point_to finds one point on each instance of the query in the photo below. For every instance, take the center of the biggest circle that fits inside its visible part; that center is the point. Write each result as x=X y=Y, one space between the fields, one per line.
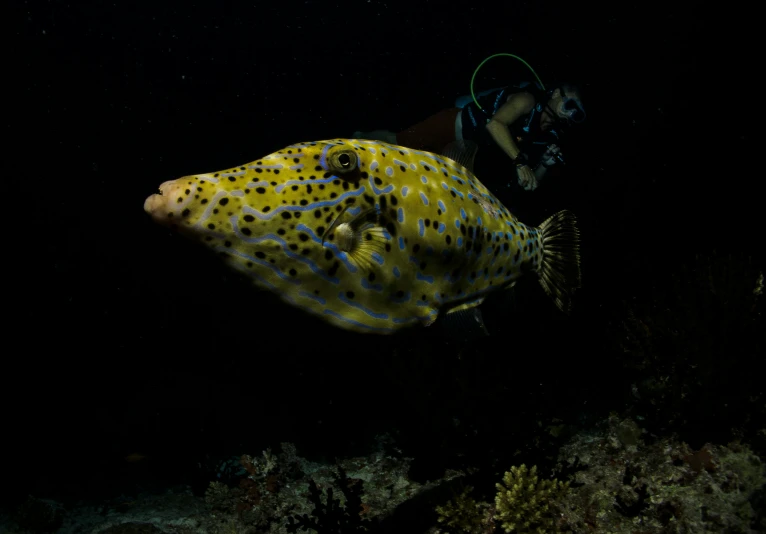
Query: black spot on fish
x=232 y=179
x=328 y=255
x=333 y=269
x=249 y=218
x=249 y=264
x=428 y=223
x=369 y=200
x=350 y=294
x=223 y=201
x=281 y=231
x=309 y=189
x=391 y=227
x=394 y=200
x=453 y=194
x=211 y=226
x=378 y=181
x=435 y=224
x=185 y=213
x=383 y=203
x=276 y=171
x=293 y=247
x=266 y=209
x=388 y=247
x=297 y=214
x=246 y=231
x=320 y=230
x=505 y=247
x=203 y=201
x=180 y=199
x=350 y=200
x=371 y=277
x=303 y=237
x=423 y=265
x=333 y=194
x=260 y=190
x=304 y=202
x=516 y=256
x=258 y=170
x=416 y=248
x=402 y=168
x=187 y=191
x=368 y=236
x=448 y=239
x=462 y=229
x=215 y=211
x=399 y=294
x=286 y=215
x=305 y=251
x=318 y=214
x=294 y=188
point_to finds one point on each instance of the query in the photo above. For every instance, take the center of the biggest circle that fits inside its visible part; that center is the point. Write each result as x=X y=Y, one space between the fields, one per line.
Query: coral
x=524 y=503
x=664 y=487
x=330 y=517
x=39 y=515
x=464 y=514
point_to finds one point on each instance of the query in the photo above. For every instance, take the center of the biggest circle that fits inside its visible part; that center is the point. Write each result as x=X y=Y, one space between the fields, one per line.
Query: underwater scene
x=382 y=267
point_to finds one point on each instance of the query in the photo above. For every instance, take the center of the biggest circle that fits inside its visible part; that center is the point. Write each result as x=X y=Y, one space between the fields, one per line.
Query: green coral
x=523 y=502
x=463 y=513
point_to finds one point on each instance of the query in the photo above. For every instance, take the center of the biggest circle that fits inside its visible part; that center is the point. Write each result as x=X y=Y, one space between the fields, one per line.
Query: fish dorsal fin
x=462 y=152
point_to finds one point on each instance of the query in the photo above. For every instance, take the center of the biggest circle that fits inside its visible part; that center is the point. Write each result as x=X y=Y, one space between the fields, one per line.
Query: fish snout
x=164 y=205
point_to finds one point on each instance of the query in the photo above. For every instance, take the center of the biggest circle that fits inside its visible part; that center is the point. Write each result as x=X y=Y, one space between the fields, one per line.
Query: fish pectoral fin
x=462 y=152
x=370 y=246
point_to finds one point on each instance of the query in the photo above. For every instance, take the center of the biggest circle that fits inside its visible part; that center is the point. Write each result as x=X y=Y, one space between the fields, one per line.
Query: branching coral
x=524 y=502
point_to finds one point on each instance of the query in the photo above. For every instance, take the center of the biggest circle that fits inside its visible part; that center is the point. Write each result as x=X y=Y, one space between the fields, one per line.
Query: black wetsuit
x=526 y=132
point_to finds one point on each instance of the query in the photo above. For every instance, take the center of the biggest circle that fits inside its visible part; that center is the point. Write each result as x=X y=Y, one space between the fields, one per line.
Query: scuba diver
x=521 y=122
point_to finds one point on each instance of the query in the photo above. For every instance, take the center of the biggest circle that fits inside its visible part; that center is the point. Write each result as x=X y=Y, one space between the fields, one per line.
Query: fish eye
x=343 y=161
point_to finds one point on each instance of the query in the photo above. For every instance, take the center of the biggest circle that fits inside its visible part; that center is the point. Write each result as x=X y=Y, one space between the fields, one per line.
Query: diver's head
x=566 y=104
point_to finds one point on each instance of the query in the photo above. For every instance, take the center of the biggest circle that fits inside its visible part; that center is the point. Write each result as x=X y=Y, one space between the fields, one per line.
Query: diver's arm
x=515 y=107
x=540 y=171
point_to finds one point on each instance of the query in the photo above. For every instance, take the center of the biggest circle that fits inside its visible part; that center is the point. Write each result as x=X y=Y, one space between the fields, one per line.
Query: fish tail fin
x=560 y=267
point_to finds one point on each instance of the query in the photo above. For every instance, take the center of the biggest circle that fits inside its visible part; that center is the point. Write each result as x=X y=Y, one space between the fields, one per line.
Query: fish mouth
x=160 y=205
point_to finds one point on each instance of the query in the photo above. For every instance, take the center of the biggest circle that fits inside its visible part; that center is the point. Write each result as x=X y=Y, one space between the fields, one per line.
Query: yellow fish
x=369 y=236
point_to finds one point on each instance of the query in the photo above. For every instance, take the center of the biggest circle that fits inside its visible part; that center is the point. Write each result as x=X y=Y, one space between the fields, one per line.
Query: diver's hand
x=527 y=178
x=549 y=157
